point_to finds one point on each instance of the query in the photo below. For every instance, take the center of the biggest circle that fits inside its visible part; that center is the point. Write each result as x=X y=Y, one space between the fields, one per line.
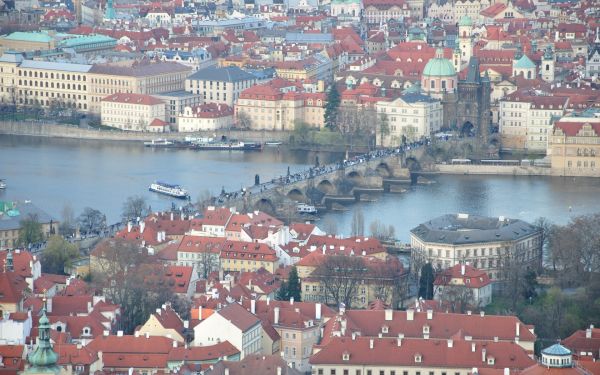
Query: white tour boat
x=304 y=208
x=172 y=190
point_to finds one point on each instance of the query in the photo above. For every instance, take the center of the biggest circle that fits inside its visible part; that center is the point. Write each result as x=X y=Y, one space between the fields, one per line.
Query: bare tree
x=68 y=222
x=243 y=120
x=204 y=200
x=458 y=298
x=358 y=222
x=91 y=221
x=135 y=207
x=381 y=231
x=340 y=277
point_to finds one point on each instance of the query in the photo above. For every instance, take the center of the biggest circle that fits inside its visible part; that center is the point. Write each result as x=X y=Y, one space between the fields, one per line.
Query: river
x=55 y=172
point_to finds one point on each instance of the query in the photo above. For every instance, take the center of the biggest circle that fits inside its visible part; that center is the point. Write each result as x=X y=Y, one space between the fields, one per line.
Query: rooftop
x=224 y=74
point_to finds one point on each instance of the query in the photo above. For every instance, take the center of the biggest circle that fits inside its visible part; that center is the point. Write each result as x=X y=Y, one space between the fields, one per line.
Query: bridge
x=341 y=183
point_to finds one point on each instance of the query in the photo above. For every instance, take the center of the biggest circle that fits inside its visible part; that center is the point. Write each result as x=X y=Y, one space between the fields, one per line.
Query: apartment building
x=574 y=145
x=134 y=112
x=411 y=116
x=381 y=11
x=316 y=66
x=134 y=77
x=238 y=256
x=175 y=102
x=526 y=119
x=463 y=276
x=279 y=105
x=44 y=84
x=483 y=242
x=220 y=84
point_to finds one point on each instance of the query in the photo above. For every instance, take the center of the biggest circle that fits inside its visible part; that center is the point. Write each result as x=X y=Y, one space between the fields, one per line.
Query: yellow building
x=574 y=147
x=134 y=77
x=238 y=256
x=42 y=83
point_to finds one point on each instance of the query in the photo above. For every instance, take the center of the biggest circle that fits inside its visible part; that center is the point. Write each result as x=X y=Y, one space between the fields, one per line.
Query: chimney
x=253 y=306
x=518 y=329
x=429 y=314
x=79 y=346
x=226 y=371
x=136 y=333
x=186 y=324
x=147 y=335
x=291 y=300
x=129 y=226
x=268 y=301
x=399 y=341
x=353 y=336
x=171 y=215
x=389 y=314
x=105 y=333
x=317 y=311
x=483 y=353
x=279 y=372
x=182 y=216
x=506 y=371
x=158 y=237
x=89 y=306
x=174 y=343
x=371 y=342
x=142 y=226
x=119 y=333
x=410 y=314
x=276 y=315
x=462 y=269
x=473 y=347
x=158 y=311
x=482 y=313
x=200 y=313
x=469 y=312
x=450 y=343
x=49 y=305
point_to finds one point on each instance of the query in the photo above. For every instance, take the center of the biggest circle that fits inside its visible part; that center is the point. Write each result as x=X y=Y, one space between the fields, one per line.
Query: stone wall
x=493 y=170
x=40 y=129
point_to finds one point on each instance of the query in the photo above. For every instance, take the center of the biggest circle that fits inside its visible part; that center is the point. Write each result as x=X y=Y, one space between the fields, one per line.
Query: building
x=134 y=112
x=315 y=67
x=15 y=327
x=592 y=63
x=253 y=364
x=208 y=116
x=439 y=76
x=381 y=11
x=220 y=84
x=584 y=343
x=232 y=323
x=409 y=117
x=175 y=103
x=279 y=105
x=44 y=84
x=483 y=242
x=347 y=11
x=463 y=284
x=238 y=256
x=165 y=322
x=12 y=213
x=134 y=77
x=197 y=58
x=526 y=120
x=574 y=145
x=343 y=355
x=27 y=41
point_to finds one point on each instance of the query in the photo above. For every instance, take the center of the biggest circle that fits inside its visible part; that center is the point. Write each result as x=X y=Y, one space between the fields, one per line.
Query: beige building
x=134 y=77
x=526 y=120
x=574 y=146
x=238 y=256
x=380 y=12
x=220 y=84
x=27 y=41
x=10 y=223
x=133 y=112
x=44 y=84
x=483 y=242
x=209 y=116
x=412 y=116
x=280 y=105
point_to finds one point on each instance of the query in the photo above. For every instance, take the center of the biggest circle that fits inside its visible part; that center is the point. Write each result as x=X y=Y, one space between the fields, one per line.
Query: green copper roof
x=43 y=358
x=439 y=67
x=29 y=37
x=556 y=349
x=85 y=39
x=524 y=63
x=465 y=21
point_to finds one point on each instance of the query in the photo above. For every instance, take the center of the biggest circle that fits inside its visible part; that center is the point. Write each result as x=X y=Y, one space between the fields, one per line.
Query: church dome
x=439 y=66
x=465 y=21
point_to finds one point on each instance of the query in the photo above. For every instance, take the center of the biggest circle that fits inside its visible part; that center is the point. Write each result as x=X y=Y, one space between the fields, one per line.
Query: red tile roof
x=239 y=316
x=579 y=342
x=12 y=286
x=248 y=250
x=67 y=305
x=433 y=353
x=128 y=98
x=471 y=278
x=22 y=261
x=572 y=128
x=205 y=353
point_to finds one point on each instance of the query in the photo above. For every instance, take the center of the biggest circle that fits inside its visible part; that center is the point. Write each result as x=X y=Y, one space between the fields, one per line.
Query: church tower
x=43 y=359
x=456 y=56
x=548 y=65
x=465 y=29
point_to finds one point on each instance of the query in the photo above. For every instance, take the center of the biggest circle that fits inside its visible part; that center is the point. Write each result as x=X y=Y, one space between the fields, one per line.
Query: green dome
x=465 y=21
x=439 y=67
x=524 y=63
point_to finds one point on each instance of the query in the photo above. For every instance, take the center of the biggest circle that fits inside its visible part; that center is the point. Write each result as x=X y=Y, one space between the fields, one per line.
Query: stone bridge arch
x=355 y=177
x=412 y=163
x=326 y=186
x=296 y=195
x=383 y=169
x=266 y=205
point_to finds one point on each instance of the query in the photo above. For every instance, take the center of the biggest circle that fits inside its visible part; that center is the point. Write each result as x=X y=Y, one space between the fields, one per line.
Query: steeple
x=43 y=359
x=548 y=54
x=519 y=51
x=9 y=262
x=109 y=12
x=597 y=40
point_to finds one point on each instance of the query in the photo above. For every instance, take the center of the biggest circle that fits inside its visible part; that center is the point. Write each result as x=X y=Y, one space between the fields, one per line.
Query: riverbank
x=500 y=170
x=41 y=129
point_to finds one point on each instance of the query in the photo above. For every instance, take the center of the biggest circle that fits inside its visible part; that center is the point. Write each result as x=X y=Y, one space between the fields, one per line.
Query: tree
x=458 y=297
x=204 y=200
x=208 y=261
x=332 y=107
x=330 y=226
x=243 y=120
x=358 y=222
x=381 y=232
x=134 y=207
x=91 y=221
x=68 y=222
x=426 y=281
x=293 y=285
x=340 y=277
x=30 y=231
x=301 y=134
x=139 y=288
x=58 y=254
x=384 y=128
x=545 y=226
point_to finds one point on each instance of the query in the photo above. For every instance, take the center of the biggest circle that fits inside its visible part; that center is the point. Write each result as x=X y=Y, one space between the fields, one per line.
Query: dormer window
x=345 y=356
x=385 y=329
x=418 y=358
x=491 y=360
x=426 y=329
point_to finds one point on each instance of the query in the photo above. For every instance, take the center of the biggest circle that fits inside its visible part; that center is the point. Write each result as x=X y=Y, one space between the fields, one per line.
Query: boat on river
x=273 y=143
x=304 y=208
x=227 y=146
x=171 y=190
x=2 y=184
x=159 y=143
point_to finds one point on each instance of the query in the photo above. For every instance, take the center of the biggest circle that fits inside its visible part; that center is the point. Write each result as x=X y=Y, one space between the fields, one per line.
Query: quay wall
x=509 y=170
x=41 y=129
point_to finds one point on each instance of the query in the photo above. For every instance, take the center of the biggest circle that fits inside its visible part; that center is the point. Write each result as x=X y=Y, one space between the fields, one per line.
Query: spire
x=43 y=359
x=519 y=51
x=597 y=41
x=9 y=262
x=109 y=13
x=439 y=53
x=548 y=54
